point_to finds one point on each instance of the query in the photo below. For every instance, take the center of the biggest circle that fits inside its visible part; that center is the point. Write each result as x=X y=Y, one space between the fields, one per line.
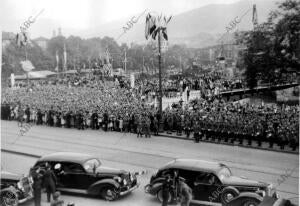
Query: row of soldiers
x=217 y=131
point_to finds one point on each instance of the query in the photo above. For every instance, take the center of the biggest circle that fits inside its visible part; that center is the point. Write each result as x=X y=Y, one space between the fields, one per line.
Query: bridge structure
x=247 y=92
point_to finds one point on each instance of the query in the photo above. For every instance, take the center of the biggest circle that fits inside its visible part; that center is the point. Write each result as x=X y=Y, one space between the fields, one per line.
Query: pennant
x=164 y=32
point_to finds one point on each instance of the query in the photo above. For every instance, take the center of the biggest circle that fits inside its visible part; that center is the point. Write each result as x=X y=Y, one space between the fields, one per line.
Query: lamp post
x=159 y=72
x=158 y=26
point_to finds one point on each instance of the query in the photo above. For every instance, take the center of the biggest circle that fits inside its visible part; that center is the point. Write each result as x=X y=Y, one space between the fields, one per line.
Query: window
x=72 y=168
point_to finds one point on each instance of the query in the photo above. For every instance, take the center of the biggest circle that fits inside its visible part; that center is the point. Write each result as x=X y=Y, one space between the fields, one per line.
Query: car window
x=188 y=175
x=164 y=172
x=72 y=168
x=89 y=165
x=201 y=178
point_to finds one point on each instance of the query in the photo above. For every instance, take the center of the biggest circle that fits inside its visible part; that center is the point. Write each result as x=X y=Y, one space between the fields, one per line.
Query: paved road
x=126 y=151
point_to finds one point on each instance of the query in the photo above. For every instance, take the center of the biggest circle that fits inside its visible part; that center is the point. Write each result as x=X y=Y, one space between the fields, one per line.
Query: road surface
x=135 y=154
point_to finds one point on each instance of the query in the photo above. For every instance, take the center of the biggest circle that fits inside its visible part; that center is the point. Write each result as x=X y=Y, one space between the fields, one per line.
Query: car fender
x=237 y=201
x=154 y=187
x=96 y=187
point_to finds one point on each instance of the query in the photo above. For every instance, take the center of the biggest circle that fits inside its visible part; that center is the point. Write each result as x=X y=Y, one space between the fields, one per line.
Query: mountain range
x=196 y=28
x=200 y=27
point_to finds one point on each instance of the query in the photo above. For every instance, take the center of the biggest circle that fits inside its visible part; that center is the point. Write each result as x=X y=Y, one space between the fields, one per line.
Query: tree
x=273 y=47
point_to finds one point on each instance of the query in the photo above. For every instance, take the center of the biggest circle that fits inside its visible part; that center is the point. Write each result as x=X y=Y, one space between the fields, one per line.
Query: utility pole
x=159 y=74
x=180 y=64
x=125 y=60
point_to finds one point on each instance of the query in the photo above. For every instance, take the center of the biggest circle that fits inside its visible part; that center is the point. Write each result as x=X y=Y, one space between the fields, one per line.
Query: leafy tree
x=273 y=48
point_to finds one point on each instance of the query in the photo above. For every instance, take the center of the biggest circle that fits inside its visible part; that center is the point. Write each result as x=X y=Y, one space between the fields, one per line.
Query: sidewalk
x=264 y=146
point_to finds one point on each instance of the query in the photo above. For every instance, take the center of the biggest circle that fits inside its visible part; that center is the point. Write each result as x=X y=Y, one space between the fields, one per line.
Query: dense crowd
x=109 y=106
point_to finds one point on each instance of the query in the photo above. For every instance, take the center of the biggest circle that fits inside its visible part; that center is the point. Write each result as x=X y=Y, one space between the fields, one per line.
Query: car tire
x=160 y=198
x=251 y=202
x=8 y=197
x=109 y=193
x=228 y=194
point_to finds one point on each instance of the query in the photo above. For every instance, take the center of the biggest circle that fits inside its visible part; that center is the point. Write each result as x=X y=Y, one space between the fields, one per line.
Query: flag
x=150 y=25
x=22 y=39
x=65 y=58
x=57 y=61
x=254 y=15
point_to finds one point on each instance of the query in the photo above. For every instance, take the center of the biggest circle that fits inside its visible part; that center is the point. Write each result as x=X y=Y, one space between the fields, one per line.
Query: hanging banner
x=132 y=80
x=164 y=45
x=12 y=79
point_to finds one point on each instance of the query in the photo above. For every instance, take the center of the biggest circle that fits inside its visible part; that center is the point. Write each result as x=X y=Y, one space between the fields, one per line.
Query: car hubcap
x=229 y=196
x=110 y=194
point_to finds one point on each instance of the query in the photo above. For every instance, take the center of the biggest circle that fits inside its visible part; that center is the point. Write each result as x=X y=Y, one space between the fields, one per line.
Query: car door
x=70 y=175
x=79 y=177
x=207 y=187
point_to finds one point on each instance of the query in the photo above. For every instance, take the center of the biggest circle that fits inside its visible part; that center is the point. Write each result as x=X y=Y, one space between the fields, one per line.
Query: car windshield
x=89 y=165
x=224 y=173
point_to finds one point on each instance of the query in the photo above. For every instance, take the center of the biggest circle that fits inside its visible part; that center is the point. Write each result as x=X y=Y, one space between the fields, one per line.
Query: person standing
x=186 y=193
x=49 y=182
x=37 y=185
x=166 y=190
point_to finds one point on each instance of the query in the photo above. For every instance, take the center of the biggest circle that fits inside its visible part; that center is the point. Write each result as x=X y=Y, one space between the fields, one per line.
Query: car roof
x=195 y=165
x=67 y=157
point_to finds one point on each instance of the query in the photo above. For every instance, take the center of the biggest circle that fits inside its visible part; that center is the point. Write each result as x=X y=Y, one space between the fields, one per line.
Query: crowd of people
x=110 y=106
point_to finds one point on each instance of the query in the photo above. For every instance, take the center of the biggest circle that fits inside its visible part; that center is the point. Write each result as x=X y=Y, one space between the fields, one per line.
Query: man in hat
x=166 y=189
x=49 y=182
x=36 y=175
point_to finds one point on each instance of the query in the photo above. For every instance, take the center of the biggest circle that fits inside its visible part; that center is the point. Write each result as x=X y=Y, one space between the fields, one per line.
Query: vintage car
x=83 y=173
x=15 y=189
x=211 y=182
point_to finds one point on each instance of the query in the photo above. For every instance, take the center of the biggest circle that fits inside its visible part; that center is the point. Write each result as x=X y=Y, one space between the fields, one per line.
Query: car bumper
x=130 y=190
x=149 y=189
x=25 y=199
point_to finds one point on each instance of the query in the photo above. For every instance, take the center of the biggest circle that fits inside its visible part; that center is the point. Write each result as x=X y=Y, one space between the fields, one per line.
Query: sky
x=84 y=14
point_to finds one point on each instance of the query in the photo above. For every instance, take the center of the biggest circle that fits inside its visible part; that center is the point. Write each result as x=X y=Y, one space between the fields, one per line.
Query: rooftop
x=194 y=164
x=67 y=157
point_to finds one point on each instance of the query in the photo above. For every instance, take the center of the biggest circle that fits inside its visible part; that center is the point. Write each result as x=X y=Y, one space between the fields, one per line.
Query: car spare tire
x=228 y=194
x=8 y=197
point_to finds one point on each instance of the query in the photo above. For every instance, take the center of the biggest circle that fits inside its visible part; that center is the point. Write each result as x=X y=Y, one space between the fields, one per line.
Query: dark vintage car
x=15 y=189
x=212 y=183
x=82 y=173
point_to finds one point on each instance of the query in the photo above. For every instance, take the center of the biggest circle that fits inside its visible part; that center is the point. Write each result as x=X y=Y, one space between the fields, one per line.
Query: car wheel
x=251 y=202
x=160 y=196
x=8 y=198
x=228 y=194
x=109 y=193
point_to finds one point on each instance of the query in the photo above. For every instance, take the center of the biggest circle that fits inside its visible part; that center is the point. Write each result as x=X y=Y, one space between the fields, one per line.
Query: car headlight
x=132 y=177
x=118 y=179
x=20 y=187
